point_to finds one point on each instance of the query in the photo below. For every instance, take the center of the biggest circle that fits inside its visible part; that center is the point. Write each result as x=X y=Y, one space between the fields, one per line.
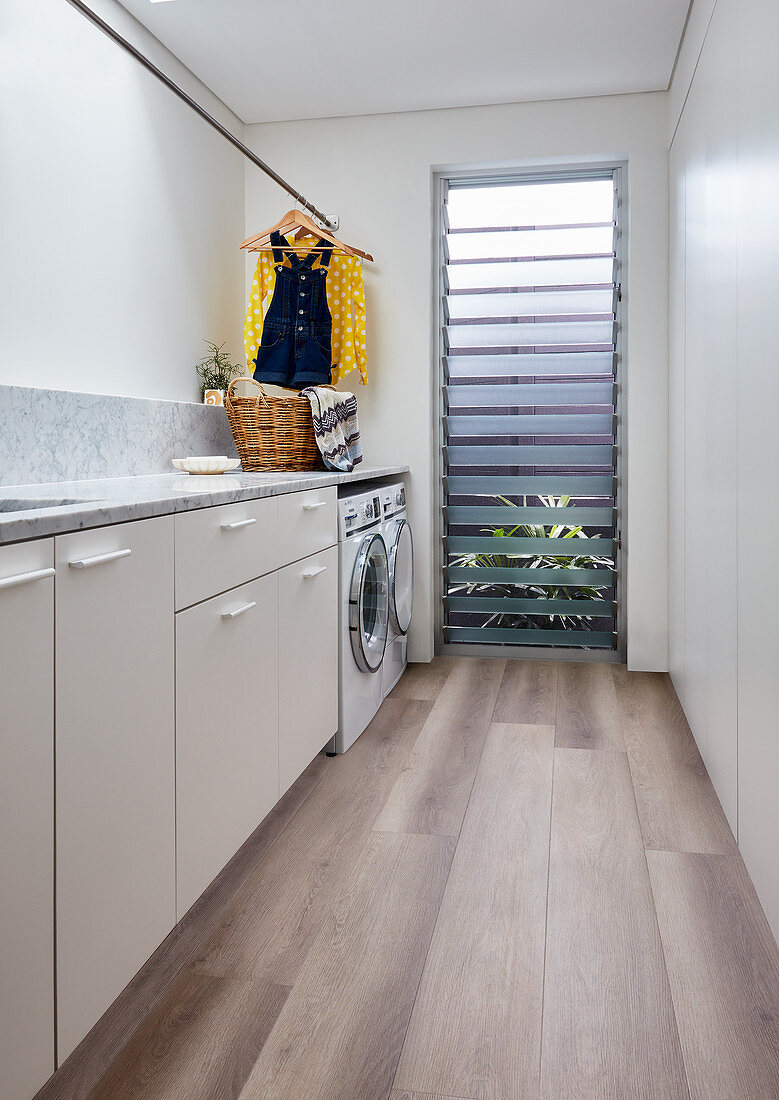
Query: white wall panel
x=715 y=89
x=676 y=428
x=696 y=538
x=724 y=392
x=758 y=448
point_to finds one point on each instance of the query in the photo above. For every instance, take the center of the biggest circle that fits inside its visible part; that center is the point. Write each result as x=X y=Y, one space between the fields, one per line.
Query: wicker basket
x=272 y=433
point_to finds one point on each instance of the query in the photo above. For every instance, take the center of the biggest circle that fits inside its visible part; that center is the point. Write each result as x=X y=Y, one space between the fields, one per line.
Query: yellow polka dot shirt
x=345 y=300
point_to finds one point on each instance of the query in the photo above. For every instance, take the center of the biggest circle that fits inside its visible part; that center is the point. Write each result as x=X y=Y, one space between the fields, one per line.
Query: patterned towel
x=335 y=426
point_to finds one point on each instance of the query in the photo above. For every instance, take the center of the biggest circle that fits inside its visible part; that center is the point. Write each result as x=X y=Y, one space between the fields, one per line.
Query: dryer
x=363 y=612
x=400 y=557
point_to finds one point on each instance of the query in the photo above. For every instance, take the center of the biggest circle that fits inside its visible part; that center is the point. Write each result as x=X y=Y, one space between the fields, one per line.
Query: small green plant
x=584 y=560
x=215 y=370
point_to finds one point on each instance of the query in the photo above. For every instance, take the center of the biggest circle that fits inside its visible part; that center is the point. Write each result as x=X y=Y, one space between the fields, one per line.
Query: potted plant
x=215 y=371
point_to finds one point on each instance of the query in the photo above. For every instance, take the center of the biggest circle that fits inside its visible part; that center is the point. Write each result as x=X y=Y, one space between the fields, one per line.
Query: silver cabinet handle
x=314 y=572
x=25 y=578
x=239 y=610
x=313 y=505
x=99 y=559
x=238 y=524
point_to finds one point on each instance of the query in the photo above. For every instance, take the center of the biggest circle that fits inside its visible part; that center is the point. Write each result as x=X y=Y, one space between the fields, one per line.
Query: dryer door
x=401 y=576
x=369 y=604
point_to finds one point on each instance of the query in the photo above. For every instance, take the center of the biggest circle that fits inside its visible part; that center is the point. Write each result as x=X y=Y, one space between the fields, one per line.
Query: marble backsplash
x=56 y=435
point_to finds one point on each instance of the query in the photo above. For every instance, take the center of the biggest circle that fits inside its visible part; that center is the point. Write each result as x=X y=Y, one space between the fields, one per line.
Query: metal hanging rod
x=114 y=35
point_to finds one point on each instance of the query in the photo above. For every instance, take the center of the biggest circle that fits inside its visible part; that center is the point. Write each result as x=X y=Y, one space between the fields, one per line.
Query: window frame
x=575 y=168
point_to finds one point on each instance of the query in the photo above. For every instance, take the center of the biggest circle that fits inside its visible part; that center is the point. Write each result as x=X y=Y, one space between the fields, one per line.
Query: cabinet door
x=26 y=817
x=308 y=661
x=226 y=729
x=115 y=745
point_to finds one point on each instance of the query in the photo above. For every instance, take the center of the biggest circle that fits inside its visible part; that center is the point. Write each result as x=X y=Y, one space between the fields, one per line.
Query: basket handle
x=245 y=379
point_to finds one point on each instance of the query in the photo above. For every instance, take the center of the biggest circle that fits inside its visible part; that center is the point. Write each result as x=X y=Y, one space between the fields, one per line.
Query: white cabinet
x=115 y=785
x=26 y=817
x=226 y=729
x=174 y=735
x=308 y=661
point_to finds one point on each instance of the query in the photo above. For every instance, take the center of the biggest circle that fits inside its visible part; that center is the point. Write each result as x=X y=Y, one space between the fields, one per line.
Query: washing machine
x=363 y=612
x=400 y=557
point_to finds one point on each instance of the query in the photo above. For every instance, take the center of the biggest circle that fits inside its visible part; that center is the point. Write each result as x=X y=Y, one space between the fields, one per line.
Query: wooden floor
x=518 y=883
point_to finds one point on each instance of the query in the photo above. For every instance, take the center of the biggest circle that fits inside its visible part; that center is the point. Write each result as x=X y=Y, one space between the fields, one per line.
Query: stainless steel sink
x=25 y=504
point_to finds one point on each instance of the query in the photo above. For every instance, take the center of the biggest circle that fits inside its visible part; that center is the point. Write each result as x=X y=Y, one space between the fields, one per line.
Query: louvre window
x=530 y=293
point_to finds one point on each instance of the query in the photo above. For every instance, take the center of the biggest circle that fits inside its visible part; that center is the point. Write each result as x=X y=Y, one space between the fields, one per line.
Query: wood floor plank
x=271 y=923
x=587 y=712
x=340 y=1031
x=528 y=693
x=476 y=1026
x=395 y=1095
x=431 y=793
x=201 y=1040
x=677 y=805
x=723 y=966
x=608 y=1027
x=424 y=681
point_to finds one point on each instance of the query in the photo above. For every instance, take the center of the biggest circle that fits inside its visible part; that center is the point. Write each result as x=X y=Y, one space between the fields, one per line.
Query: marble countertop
x=119 y=499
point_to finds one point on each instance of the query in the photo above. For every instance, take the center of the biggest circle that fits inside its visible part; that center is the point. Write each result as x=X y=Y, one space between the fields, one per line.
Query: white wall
x=724 y=446
x=121 y=212
x=375 y=172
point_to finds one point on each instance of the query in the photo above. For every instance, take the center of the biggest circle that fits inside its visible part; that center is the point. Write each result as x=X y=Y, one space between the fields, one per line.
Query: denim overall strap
x=278 y=243
x=323 y=256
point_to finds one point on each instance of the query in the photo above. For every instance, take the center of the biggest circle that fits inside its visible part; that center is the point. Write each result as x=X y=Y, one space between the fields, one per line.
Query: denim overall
x=295 y=346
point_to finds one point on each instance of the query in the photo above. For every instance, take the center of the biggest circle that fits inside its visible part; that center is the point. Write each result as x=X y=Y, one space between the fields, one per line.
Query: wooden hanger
x=294 y=242
x=303 y=224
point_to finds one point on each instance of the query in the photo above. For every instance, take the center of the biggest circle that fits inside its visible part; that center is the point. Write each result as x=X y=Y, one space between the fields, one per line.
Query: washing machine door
x=401 y=576
x=369 y=604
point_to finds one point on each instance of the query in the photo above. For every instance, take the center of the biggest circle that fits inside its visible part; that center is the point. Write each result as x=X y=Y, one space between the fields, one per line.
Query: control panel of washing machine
x=393 y=500
x=362 y=511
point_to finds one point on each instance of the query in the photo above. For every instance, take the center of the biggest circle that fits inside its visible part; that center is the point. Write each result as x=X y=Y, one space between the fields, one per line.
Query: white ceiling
x=273 y=60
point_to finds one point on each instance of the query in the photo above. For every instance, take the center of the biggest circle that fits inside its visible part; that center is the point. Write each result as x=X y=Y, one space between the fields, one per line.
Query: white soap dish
x=215 y=464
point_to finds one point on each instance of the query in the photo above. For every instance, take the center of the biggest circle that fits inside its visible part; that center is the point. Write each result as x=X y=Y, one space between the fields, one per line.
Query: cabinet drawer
x=308 y=661
x=220 y=548
x=308 y=522
x=226 y=729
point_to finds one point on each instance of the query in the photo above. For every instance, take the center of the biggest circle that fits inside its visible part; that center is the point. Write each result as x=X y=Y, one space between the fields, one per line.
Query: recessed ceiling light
x=160 y=1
